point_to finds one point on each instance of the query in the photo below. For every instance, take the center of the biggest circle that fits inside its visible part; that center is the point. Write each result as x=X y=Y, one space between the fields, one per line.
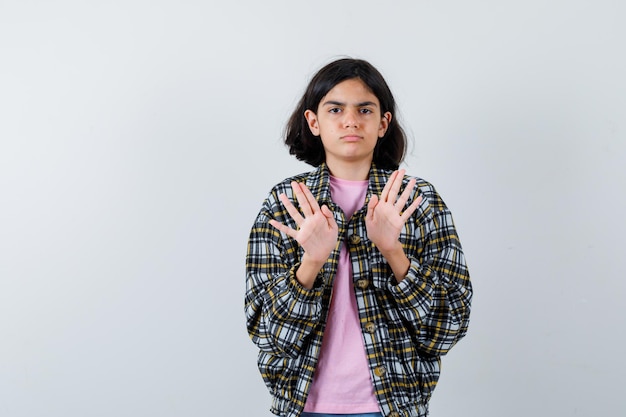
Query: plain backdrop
x=139 y=138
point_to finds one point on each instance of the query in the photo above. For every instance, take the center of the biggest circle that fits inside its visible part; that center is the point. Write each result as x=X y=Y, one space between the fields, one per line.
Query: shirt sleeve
x=280 y=312
x=435 y=296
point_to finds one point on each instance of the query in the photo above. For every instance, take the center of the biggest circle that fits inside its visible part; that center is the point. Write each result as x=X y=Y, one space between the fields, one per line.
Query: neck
x=356 y=171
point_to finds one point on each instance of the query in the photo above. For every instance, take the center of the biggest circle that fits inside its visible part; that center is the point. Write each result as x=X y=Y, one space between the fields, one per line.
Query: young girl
x=356 y=282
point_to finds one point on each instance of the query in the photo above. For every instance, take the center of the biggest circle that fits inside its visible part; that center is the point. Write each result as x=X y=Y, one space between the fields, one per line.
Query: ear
x=311 y=119
x=384 y=124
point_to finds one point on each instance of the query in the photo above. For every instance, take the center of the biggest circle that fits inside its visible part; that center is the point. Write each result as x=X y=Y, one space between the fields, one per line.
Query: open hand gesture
x=385 y=218
x=317 y=230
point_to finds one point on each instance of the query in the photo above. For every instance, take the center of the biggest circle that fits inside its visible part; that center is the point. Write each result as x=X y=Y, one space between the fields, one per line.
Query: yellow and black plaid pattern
x=407 y=326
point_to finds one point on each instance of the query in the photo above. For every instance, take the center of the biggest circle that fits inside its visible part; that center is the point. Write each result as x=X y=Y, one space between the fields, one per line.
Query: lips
x=351 y=138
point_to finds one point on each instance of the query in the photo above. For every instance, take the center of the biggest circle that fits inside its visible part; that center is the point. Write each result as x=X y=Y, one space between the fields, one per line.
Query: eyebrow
x=339 y=103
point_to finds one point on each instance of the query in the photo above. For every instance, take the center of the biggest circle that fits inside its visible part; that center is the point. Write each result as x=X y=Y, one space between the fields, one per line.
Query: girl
x=356 y=282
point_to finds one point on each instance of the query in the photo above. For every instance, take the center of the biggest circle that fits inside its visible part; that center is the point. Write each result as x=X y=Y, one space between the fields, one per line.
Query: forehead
x=351 y=91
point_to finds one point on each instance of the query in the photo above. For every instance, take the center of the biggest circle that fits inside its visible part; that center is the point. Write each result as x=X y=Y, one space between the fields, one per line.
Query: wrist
x=397 y=260
x=308 y=271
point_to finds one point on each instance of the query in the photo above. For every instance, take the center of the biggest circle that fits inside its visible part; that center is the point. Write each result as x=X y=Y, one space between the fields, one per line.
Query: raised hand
x=317 y=231
x=385 y=219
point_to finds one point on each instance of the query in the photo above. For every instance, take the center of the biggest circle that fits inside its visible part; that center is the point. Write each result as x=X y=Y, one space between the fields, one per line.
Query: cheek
x=327 y=128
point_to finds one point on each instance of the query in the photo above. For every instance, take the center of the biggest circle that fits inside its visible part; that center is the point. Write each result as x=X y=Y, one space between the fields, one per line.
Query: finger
x=411 y=209
x=384 y=195
x=371 y=206
x=395 y=187
x=404 y=197
x=330 y=218
x=310 y=198
x=291 y=209
x=303 y=202
x=282 y=228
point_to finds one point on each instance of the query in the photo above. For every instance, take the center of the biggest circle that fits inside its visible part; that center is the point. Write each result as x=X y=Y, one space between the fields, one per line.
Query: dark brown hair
x=389 y=150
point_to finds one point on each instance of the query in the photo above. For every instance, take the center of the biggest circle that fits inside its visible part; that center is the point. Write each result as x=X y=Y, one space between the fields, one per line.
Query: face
x=349 y=123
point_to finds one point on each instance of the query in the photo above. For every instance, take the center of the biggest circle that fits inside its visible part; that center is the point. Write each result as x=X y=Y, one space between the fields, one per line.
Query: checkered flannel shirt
x=407 y=326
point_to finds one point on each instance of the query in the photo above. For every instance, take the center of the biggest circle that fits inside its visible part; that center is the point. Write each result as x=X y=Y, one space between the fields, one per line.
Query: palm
x=317 y=230
x=385 y=218
x=384 y=226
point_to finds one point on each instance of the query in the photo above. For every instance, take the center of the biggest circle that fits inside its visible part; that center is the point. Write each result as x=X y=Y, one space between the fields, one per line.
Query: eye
x=334 y=110
x=365 y=111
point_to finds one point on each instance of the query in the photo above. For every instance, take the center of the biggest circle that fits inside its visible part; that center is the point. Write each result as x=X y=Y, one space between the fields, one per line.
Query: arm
x=435 y=296
x=280 y=310
x=316 y=232
x=430 y=281
x=386 y=216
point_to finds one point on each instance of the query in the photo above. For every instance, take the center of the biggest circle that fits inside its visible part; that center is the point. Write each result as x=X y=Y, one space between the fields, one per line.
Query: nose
x=350 y=119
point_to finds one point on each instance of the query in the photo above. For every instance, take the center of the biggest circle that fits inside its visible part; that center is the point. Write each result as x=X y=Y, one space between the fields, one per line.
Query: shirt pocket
x=276 y=372
x=406 y=366
x=416 y=375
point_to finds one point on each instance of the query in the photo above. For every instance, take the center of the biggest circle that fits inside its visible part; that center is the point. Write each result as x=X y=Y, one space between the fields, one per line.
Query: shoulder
x=430 y=195
x=284 y=187
x=272 y=206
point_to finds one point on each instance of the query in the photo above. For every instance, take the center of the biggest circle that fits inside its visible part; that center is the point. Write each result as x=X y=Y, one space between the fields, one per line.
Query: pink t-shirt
x=342 y=381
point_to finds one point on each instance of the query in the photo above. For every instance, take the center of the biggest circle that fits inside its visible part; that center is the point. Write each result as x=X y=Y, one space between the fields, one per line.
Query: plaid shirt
x=406 y=326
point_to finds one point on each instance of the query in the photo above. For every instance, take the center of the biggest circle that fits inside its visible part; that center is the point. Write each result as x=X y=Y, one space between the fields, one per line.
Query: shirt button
x=362 y=284
x=380 y=371
x=354 y=239
x=370 y=327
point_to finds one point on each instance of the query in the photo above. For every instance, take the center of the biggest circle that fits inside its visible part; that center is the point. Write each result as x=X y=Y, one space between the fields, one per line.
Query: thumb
x=326 y=211
x=330 y=219
x=371 y=206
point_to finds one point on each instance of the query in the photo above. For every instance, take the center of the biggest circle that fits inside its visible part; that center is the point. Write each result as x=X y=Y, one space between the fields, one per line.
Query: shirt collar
x=319 y=183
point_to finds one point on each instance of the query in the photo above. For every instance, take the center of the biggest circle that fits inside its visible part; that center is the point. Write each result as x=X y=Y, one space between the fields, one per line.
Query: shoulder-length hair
x=390 y=149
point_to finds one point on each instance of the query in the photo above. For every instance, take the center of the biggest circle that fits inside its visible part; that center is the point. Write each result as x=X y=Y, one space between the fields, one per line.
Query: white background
x=139 y=138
